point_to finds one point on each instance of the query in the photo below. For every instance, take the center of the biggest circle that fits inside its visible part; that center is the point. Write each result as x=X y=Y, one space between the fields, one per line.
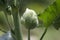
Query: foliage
x=56 y=22
x=51 y=14
x=3 y=22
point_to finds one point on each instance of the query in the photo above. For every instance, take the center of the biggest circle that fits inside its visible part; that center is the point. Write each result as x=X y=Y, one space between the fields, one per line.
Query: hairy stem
x=17 y=28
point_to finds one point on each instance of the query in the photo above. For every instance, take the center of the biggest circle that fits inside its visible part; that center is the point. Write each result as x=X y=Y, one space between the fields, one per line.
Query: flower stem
x=28 y=34
x=43 y=34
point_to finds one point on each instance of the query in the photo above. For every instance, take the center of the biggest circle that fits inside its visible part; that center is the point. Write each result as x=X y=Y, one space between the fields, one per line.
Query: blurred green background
x=52 y=33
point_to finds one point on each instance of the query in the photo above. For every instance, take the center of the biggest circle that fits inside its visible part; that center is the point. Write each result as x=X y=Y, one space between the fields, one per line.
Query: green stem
x=28 y=34
x=43 y=34
x=17 y=28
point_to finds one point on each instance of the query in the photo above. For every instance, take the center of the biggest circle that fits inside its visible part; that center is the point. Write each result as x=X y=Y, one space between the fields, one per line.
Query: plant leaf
x=49 y=15
x=56 y=23
x=3 y=22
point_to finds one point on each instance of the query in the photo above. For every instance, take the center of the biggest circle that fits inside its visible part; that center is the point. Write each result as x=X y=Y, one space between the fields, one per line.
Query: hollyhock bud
x=29 y=19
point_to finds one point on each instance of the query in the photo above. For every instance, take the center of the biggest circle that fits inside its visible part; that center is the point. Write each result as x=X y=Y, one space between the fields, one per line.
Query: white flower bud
x=29 y=19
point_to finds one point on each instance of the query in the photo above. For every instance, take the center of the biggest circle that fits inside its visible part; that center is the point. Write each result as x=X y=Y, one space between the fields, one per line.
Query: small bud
x=9 y=10
x=29 y=19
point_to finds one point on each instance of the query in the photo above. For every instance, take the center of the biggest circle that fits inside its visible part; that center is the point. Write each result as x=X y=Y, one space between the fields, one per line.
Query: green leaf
x=3 y=22
x=49 y=15
x=58 y=5
x=56 y=23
